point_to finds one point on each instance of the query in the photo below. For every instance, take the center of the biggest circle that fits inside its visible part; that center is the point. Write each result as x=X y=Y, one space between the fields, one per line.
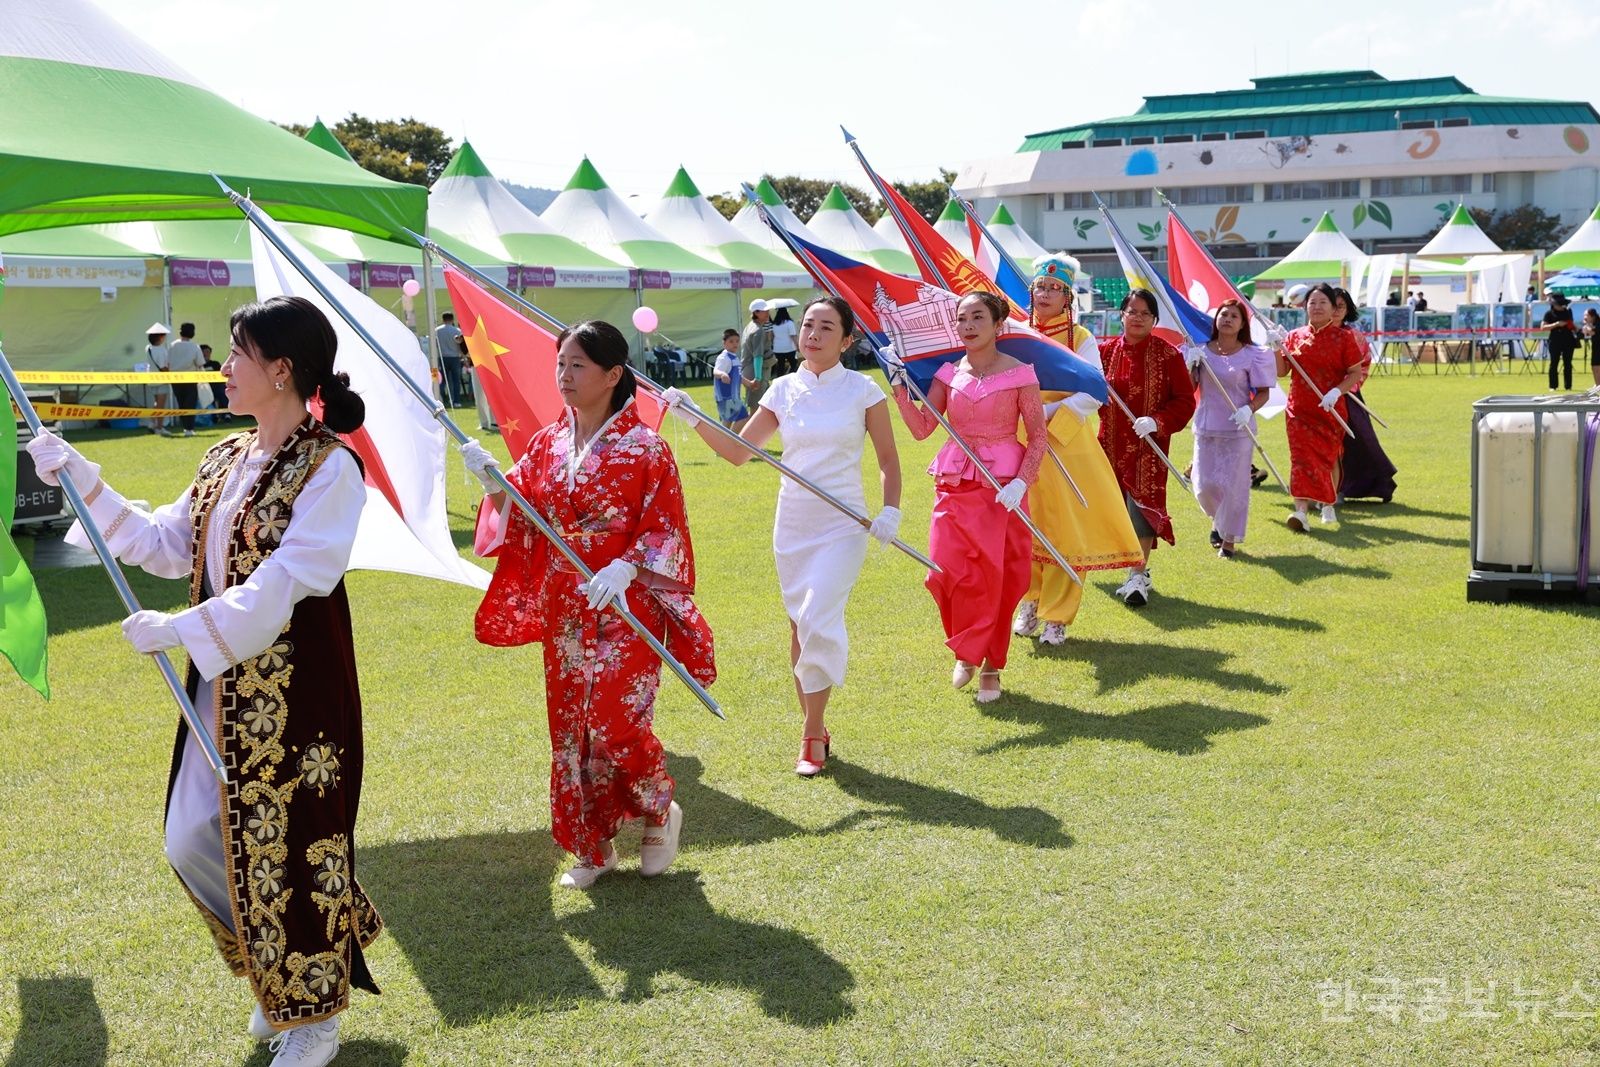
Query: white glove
x=150 y=631
x=1276 y=334
x=1330 y=398
x=608 y=583
x=1144 y=426
x=1082 y=405
x=1010 y=495
x=1241 y=415
x=679 y=406
x=478 y=460
x=894 y=366
x=886 y=527
x=1051 y=408
x=51 y=455
x=1192 y=356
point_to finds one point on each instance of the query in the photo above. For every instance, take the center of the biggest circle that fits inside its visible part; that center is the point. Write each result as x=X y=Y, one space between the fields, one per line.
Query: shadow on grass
x=1118 y=664
x=897 y=798
x=1369 y=534
x=1182 y=729
x=667 y=926
x=1375 y=509
x=1298 y=570
x=718 y=819
x=1175 y=613
x=473 y=916
x=61 y=1024
x=360 y=1053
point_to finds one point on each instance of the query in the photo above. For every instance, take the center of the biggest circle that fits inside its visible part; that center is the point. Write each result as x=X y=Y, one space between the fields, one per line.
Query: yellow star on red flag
x=484 y=351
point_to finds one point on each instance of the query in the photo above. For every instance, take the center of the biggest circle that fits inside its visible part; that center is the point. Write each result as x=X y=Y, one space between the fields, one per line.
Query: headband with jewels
x=1057 y=268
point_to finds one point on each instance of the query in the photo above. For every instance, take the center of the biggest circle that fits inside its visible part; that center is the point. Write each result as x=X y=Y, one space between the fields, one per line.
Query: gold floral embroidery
x=330 y=859
x=319 y=766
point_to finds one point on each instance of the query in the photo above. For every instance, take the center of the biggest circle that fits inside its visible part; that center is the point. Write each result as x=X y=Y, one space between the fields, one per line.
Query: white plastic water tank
x=1504 y=505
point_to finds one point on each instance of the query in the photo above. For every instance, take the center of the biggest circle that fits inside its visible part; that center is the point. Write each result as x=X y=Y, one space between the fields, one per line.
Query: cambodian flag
x=1179 y=323
x=920 y=320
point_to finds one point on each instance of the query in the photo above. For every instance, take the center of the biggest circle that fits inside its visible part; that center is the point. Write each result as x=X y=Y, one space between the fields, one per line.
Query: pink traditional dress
x=1316 y=440
x=618 y=497
x=984 y=552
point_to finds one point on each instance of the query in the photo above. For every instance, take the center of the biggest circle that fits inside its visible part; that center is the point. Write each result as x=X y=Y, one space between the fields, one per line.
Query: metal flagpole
x=492 y=477
x=1246 y=428
x=795 y=250
x=655 y=387
x=108 y=562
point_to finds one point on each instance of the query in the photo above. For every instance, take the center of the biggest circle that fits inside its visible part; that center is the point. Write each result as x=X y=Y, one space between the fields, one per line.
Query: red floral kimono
x=618 y=498
x=1153 y=379
x=1316 y=440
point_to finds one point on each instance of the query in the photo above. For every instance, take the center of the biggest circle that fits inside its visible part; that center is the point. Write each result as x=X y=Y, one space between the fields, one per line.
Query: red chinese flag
x=516 y=362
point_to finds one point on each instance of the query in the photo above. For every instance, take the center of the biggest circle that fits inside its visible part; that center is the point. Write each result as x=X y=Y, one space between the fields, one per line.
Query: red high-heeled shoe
x=805 y=766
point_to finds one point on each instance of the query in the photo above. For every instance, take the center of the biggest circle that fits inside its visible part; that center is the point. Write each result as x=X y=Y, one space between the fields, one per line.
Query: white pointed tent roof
x=749 y=223
x=1325 y=254
x=1459 y=237
x=686 y=217
x=1013 y=238
x=839 y=226
x=469 y=207
x=885 y=227
x=1582 y=249
x=952 y=226
x=591 y=213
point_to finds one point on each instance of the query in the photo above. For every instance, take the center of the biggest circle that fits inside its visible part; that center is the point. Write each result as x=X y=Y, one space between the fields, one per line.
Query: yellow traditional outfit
x=1098 y=536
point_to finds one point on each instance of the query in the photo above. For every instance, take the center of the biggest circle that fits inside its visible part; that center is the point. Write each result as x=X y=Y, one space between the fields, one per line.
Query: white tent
x=688 y=219
x=1324 y=255
x=1013 y=238
x=885 y=227
x=1459 y=237
x=1582 y=249
x=1461 y=247
x=749 y=223
x=840 y=227
x=952 y=226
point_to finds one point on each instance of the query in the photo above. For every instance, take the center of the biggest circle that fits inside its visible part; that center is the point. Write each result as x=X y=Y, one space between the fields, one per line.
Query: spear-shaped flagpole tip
x=849 y=138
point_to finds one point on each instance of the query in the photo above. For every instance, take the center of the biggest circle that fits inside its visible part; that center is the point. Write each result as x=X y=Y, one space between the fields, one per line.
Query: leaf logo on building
x=1150 y=233
x=1221 y=231
x=1083 y=226
x=1376 y=210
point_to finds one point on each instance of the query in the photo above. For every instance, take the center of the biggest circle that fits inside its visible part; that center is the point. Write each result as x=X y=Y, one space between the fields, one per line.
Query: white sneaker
x=1137 y=590
x=1300 y=522
x=1027 y=621
x=1055 y=633
x=1329 y=516
x=188 y=433
x=660 y=844
x=311 y=1045
x=260 y=1029
x=584 y=875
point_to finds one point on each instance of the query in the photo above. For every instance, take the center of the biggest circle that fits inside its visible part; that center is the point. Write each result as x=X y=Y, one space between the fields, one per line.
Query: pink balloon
x=645 y=320
x=411 y=287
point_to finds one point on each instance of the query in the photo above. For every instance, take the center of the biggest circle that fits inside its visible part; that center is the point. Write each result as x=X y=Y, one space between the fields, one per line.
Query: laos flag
x=919 y=319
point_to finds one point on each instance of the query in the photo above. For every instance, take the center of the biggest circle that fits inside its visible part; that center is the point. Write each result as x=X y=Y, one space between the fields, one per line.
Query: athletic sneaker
x=1216 y=538
x=1137 y=590
x=1300 y=522
x=1026 y=623
x=188 y=433
x=1329 y=516
x=311 y=1045
x=1055 y=633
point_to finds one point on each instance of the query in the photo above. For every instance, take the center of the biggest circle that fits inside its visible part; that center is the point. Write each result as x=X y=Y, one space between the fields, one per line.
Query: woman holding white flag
x=825 y=413
x=264 y=535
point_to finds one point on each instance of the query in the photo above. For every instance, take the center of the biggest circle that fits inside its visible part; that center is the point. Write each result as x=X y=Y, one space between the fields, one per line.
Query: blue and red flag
x=1179 y=322
x=920 y=320
x=993 y=260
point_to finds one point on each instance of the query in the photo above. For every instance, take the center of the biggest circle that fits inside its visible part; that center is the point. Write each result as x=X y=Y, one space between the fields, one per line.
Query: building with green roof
x=1252 y=169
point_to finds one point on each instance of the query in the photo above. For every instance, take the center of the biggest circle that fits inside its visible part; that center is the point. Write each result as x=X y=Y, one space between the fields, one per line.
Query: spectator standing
x=785 y=344
x=185 y=357
x=725 y=383
x=755 y=353
x=155 y=358
x=447 y=342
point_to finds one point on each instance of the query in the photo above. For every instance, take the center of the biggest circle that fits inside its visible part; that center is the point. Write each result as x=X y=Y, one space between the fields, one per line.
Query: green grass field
x=1309 y=807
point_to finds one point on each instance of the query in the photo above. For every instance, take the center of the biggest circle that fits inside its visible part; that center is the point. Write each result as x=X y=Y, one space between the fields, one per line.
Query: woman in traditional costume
x=1093 y=534
x=1153 y=380
x=264 y=534
x=608 y=485
x=825 y=413
x=1367 y=472
x=981 y=545
x=1234 y=377
x=1334 y=359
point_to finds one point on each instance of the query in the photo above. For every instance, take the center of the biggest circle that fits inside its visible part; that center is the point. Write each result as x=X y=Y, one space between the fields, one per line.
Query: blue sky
x=732 y=90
